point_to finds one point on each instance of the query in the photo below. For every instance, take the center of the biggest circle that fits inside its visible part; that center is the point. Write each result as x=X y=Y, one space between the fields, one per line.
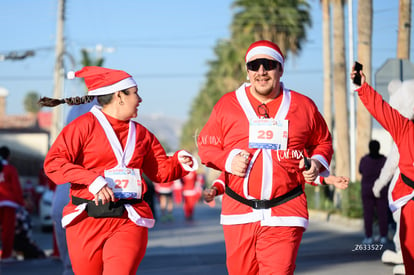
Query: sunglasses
x=268 y=64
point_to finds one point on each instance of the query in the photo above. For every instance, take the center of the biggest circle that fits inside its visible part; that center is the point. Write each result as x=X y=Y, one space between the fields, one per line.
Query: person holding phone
x=401 y=130
x=259 y=135
x=103 y=155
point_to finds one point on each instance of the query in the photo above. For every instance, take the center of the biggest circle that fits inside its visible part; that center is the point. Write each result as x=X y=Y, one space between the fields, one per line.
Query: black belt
x=265 y=204
x=110 y=209
x=407 y=180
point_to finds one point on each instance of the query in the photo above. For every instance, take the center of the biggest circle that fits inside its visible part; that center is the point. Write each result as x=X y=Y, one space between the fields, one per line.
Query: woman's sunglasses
x=268 y=64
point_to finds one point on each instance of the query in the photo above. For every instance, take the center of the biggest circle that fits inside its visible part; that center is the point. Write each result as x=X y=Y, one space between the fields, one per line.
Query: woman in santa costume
x=259 y=135
x=103 y=154
x=401 y=130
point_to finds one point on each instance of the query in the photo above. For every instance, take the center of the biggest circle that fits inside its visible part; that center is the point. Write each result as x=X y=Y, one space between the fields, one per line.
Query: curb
x=357 y=224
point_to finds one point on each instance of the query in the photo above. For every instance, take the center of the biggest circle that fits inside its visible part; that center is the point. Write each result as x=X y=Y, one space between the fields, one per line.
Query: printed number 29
x=265 y=134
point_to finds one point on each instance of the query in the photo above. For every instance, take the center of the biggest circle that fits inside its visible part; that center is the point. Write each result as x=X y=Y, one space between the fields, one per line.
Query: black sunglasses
x=263 y=111
x=268 y=64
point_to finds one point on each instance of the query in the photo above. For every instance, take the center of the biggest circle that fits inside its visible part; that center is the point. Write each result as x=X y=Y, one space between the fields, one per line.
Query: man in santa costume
x=259 y=135
x=102 y=154
x=401 y=130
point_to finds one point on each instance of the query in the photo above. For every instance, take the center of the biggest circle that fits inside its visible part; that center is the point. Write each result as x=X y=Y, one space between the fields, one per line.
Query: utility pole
x=352 y=109
x=57 y=117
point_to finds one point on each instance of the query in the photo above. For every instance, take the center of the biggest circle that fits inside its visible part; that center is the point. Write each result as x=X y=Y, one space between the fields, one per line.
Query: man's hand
x=105 y=194
x=310 y=174
x=209 y=194
x=338 y=182
x=240 y=163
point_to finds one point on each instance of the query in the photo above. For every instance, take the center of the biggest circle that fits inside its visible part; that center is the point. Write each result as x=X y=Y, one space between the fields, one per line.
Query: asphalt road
x=197 y=247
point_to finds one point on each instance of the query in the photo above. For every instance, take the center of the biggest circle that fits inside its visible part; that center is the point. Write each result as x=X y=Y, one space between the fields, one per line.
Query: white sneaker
x=399 y=269
x=367 y=241
x=392 y=257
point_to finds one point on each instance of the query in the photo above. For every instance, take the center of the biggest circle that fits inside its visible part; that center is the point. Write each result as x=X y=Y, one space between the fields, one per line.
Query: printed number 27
x=121 y=183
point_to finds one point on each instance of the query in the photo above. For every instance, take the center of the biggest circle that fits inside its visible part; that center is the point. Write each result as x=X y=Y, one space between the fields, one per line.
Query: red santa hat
x=103 y=81
x=265 y=47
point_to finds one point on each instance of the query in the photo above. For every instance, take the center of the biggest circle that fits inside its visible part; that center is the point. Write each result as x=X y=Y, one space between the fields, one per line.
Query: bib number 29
x=262 y=134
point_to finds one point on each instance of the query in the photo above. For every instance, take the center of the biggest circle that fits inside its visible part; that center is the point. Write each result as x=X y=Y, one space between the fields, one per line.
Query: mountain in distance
x=166 y=128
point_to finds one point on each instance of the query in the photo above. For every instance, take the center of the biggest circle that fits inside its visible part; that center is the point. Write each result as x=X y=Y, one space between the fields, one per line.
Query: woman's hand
x=186 y=160
x=105 y=195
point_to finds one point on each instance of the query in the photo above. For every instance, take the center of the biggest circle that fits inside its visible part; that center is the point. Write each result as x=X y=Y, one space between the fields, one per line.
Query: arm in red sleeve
x=220 y=184
x=65 y=161
x=158 y=166
x=392 y=121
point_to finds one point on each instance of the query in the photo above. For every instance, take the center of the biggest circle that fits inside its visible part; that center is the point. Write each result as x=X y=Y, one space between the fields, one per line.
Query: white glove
x=376 y=189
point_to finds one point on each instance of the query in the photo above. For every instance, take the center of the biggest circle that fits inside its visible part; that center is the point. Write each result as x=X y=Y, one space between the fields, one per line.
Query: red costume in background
x=11 y=197
x=402 y=131
x=191 y=193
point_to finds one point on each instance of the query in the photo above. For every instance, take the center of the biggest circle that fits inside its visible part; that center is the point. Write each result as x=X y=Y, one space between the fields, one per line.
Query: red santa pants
x=255 y=249
x=407 y=236
x=189 y=205
x=106 y=246
x=7 y=223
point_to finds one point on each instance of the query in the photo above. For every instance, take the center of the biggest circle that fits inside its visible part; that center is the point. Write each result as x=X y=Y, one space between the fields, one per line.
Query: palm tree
x=30 y=102
x=364 y=120
x=404 y=30
x=327 y=80
x=340 y=90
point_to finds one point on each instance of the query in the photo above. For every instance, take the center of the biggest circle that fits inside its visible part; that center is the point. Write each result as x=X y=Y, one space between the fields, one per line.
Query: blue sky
x=164 y=44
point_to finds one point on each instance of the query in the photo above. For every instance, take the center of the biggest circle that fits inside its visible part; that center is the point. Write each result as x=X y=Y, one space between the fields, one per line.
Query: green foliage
x=350 y=205
x=319 y=198
x=30 y=102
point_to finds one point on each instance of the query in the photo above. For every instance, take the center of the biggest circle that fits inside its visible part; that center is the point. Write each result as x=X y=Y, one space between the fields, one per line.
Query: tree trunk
x=340 y=91
x=364 y=119
x=327 y=76
x=404 y=30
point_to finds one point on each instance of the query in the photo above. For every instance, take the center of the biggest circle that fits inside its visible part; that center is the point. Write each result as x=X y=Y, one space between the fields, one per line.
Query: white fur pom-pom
x=71 y=75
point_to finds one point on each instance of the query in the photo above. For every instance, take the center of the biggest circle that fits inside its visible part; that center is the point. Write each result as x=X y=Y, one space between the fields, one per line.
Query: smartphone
x=357 y=78
x=307 y=163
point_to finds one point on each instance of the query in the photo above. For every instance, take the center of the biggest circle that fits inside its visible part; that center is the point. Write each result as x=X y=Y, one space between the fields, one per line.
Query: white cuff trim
x=230 y=159
x=184 y=153
x=324 y=163
x=97 y=185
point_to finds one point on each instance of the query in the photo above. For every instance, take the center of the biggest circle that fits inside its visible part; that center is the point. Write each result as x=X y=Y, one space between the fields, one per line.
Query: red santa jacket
x=82 y=152
x=11 y=193
x=401 y=130
x=271 y=173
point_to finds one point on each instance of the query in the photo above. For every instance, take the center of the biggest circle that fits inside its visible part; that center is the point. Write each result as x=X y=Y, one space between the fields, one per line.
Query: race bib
x=268 y=134
x=125 y=182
